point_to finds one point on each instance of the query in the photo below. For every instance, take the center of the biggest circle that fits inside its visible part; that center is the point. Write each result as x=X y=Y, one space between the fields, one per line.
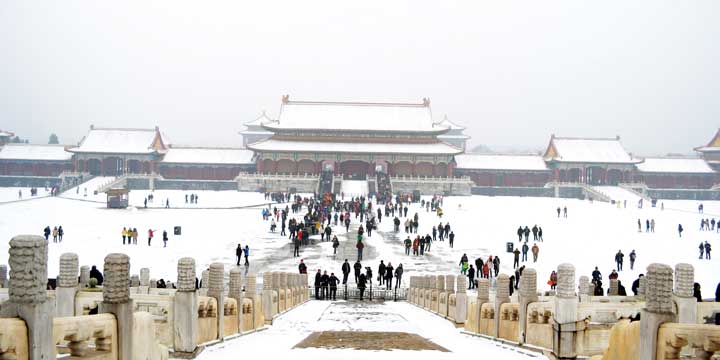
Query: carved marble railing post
x=527 y=295
x=134 y=283
x=278 y=291
x=84 y=276
x=28 y=294
x=442 y=295
x=641 y=288
x=3 y=276
x=153 y=284
x=461 y=300
x=217 y=290
x=235 y=292
x=502 y=296
x=683 y=294
x=565 y=324
x=282 y=291
x=483 y=296
x=267 y=297
x=251 y=294
x=584 y=289
x=144 y=287
x=614 y=287
x=67 y=285
x=658 y=308
x=116 y=300
x=186 y=307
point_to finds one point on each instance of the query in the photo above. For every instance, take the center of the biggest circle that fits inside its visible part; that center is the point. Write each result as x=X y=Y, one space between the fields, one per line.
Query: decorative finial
x=286 y=99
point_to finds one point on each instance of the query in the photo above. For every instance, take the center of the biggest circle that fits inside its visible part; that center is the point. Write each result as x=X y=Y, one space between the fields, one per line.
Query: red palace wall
x=34 y=169
x=499 y=178
x=200 y=172
x=689 y=181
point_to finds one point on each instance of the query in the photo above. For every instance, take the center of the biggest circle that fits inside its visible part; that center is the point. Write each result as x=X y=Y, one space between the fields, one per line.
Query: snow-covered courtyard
x=589 y=237
x=288 y=330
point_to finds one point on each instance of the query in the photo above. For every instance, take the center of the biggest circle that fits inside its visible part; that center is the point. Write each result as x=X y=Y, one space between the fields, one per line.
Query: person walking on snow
x=471 y=277
x=381 y=273
x=525 y=249
x=707 y=250
x=150 y=235
x=451 y=238
x=345 y=271
x=619 y=260
x=540 y=233
x=632 y=259
x=302 y=268
x=388 y=276
x=702 y=250
x=535 y=252
x=246 y=252
x=358 y=270
x=516 y=258
x=680 y=229
x=463 y=264
x=408 y=245
x=398 y=276
x=165 y=238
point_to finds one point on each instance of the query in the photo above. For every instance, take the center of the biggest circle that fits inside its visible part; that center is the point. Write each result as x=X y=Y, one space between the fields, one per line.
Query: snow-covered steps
x=355 y=187
x=618 y=194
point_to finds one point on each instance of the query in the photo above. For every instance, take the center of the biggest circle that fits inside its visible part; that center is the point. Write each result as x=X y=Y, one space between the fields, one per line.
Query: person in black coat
x=318 y=281
x=361 y=285
x=471 y=277
x=621 y=289
x=381 y=272
x=325 y=283
x=358 y=270
x=717 y=299
x=345 y=271
x=512 y=284
x=636 y=285
x=696 y=292
x=95 y=273
x=333 y=286
x=389 y=276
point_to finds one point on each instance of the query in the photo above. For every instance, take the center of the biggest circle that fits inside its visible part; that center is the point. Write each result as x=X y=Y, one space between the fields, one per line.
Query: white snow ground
x=619 y=194
x=354 y=188
x=289 y=329
x=589 y=237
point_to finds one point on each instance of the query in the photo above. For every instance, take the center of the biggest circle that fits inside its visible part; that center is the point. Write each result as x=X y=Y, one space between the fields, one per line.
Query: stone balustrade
x=574 y=323
x=80 y=331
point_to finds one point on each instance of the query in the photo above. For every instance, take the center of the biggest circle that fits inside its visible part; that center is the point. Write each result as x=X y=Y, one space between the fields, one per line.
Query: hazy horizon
x=512 y=72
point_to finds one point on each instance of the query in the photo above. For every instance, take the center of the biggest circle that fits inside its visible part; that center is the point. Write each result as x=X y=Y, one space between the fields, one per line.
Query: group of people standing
x=57 y=233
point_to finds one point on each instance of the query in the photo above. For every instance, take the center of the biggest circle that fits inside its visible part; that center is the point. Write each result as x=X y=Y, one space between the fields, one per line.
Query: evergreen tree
x=53 y=139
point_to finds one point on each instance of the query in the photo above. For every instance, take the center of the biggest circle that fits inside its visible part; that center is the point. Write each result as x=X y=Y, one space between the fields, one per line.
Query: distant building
x=5 y=137
x=255 y=131
x=504 y=169
x=203 y=163
x=34 y=160
x=594 y=161
x=355 y=139
x=454 y=136
x=113 y=152
x=711 y=151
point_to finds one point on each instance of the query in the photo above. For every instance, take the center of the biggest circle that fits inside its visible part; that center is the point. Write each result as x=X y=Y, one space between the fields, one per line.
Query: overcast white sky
x=513 y=72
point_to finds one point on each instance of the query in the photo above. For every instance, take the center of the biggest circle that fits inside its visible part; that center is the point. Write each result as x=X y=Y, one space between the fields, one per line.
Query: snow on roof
x=712 y=146
x=355 y=116
x=500 y=162
x=438 y=148
x=588 y=150
x=675 y=165
x=451 y=125
x=6 y=134
x=202 y=155
x=119 y=141
x=260 y=120
x=34 y=152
